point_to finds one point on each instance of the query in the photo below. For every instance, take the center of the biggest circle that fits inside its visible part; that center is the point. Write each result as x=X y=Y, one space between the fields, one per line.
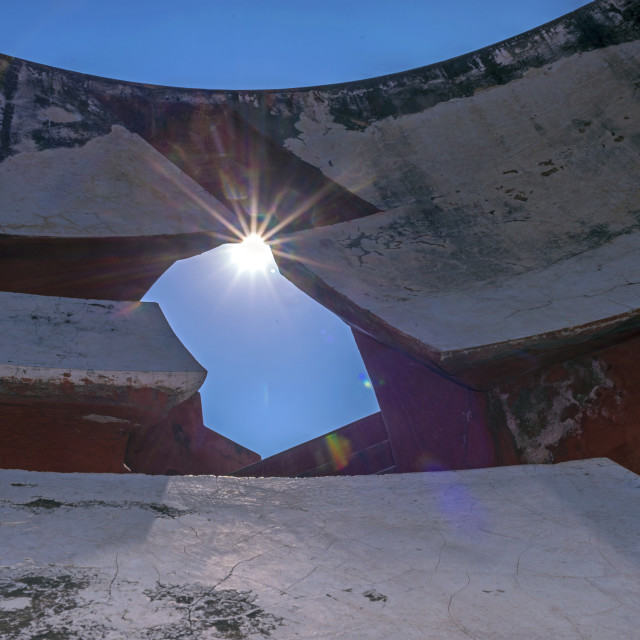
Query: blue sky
x=281 y=368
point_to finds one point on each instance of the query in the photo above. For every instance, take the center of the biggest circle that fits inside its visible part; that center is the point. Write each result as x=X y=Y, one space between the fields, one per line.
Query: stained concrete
x=531 y=552
x=511 y=214
x=79 y=377
x=51 y=343
x=114 y=185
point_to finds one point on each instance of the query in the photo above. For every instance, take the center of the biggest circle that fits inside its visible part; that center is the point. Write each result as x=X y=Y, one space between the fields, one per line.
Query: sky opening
x=282 y=369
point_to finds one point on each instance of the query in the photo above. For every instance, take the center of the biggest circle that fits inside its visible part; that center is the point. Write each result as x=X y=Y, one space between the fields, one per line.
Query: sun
x=252 y=254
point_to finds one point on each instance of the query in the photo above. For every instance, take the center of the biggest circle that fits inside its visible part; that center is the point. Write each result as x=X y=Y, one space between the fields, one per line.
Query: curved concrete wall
x=509 y=213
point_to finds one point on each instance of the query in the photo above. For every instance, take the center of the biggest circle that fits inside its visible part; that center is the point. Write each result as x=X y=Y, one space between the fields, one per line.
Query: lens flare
x=252 y=254
x=339 y=449
x=365 y=381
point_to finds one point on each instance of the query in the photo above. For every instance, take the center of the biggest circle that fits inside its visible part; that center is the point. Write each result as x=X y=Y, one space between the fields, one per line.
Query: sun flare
x=252 y=254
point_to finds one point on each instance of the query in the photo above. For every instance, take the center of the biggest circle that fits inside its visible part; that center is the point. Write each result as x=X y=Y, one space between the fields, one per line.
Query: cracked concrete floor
x=521 y=552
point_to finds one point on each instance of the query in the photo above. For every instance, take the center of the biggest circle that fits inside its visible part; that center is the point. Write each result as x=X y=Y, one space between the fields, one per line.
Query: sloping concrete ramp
x=528 y=552
x=54 y=347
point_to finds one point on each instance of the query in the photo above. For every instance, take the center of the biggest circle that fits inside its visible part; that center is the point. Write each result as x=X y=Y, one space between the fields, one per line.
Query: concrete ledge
x=77 y=377
x=103 y=220
x=510 y=220
x=531 y=552
x=68 y=348
x=115 y=185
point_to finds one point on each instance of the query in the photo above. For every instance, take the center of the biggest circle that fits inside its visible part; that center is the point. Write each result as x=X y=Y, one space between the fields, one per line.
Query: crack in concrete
x=293 y=584
x=440 y=551
x=453 y=618
x=113 y=579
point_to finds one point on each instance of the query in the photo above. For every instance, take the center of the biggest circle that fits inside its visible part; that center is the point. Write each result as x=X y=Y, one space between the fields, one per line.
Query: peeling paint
x=552 y=404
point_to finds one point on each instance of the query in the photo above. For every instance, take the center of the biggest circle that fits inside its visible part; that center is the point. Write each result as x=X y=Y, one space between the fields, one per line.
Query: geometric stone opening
x=282 y=369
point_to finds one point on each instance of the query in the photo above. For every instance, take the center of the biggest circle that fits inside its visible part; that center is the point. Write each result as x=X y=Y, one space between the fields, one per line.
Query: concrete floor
x=527 y=552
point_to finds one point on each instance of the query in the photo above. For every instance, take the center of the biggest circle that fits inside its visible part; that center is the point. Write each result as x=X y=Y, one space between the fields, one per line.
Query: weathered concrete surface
x=106 y=213
x=87 y=208
x=531 y=552
x=513 y=221
x=100 y=220
x=115 y=185
x=181 y=445
x=76 y=377
x=57 y=347
x=359 y=448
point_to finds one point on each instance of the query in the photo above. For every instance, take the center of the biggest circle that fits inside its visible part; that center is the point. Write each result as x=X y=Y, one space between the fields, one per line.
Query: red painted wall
x=182 y=445
x=580 y=408
x=433 y=423
x=359 y=448
x=56 y=437
x=593 y=401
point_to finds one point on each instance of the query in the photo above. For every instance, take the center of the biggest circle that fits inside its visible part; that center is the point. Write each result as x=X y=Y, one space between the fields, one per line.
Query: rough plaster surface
x=114 y=185
x=510 y=213
x=532 y=552
x=516 y=150
x=58 y=341
x=591 y=287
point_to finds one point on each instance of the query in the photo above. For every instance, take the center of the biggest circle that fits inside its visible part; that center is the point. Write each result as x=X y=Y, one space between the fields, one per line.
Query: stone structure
x=530 y=552
x=476 y=222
